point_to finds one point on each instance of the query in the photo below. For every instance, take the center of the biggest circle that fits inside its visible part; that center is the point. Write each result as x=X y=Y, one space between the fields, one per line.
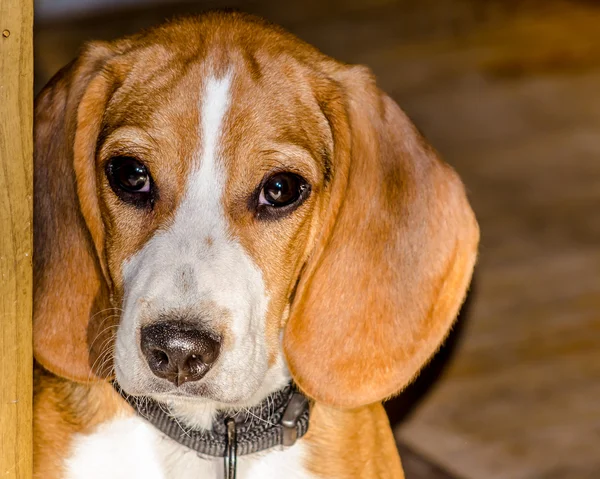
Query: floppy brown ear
x=69 y=284
x=382 y=289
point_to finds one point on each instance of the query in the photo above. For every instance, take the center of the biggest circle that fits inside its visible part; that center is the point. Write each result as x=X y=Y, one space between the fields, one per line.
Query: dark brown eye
x=130 y=180
x=282 y=189
x=279 y=195
x=130 y=175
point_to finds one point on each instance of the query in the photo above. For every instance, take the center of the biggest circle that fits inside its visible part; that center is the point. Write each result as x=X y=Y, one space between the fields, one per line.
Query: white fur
x=187 y=269
x=129 y=448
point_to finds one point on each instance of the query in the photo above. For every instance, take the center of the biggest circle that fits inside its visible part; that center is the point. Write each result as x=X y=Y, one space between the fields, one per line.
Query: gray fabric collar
x=279 y=420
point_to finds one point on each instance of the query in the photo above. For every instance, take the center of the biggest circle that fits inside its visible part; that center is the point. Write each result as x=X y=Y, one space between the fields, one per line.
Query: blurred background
x=509 y=92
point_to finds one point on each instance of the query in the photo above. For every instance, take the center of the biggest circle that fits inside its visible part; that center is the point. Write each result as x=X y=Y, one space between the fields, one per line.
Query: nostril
x=211 y=352
x=194 y=364
x=159 y=359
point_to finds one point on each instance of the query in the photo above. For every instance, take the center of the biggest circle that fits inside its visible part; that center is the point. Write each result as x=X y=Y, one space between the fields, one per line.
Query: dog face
x=216 y=235
x=217 y=201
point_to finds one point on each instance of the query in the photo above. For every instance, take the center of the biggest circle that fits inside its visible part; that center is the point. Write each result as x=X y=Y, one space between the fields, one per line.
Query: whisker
x=250 y=413
x=172 y=416
x=104 y=357
x=105 y=329
x=120 y=310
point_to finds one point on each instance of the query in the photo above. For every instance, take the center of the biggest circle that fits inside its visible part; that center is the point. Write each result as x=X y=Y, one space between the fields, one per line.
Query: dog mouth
x=199 y=406
x=162 y=390
x=193 y=393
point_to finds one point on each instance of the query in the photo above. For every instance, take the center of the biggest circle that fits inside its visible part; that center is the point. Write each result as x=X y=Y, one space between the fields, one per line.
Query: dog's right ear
x=70 y=283
x=385 y=283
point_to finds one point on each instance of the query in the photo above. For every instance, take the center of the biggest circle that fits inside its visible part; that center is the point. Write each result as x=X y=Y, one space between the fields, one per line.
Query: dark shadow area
x=402 y=406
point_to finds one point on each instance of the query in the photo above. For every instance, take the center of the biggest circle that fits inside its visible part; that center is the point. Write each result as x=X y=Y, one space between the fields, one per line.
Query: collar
x=278 y=421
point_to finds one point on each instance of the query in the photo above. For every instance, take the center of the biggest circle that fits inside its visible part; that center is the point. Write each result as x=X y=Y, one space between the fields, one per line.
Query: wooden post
x=16 y=201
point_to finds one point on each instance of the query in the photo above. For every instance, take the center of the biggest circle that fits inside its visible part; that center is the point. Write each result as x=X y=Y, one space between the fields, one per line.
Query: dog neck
x=279 y=420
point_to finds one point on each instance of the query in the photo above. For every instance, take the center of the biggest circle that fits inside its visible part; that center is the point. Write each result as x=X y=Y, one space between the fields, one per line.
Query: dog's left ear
x=70 y=279
x=391 y=270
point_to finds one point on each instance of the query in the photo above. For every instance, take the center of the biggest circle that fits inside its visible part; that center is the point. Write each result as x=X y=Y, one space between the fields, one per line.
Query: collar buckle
x=295 y=408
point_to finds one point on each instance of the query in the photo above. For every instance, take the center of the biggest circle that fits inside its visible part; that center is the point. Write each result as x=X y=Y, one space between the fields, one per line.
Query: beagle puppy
x=221 y=209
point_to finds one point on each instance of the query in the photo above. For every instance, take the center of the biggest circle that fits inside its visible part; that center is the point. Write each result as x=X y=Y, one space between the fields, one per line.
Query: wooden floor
x=510 y=95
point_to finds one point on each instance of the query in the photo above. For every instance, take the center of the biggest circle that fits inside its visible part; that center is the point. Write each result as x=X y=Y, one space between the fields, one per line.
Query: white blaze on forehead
x=205 y=187
x=201 y=214
x=213 y=108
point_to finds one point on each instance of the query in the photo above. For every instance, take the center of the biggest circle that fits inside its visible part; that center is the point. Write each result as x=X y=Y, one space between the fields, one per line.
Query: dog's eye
x=282 y=189
x=130 y=175
x=130 y=180
x=279 y=195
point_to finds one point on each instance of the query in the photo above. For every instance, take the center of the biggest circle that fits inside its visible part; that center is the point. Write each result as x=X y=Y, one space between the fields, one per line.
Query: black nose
x=179 y=351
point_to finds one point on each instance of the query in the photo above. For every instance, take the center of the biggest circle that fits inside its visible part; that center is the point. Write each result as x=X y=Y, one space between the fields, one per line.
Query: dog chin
x=205 y=392
x=231 y=397
x=199 y=409
x=202 y=394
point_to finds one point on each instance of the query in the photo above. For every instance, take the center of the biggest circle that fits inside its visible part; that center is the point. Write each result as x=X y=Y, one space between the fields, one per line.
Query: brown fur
x=352 y=443
x=371 y=269
x=63 y=408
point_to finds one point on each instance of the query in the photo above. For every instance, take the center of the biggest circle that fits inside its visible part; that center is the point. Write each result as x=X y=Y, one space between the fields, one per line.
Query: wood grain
x=16 y=153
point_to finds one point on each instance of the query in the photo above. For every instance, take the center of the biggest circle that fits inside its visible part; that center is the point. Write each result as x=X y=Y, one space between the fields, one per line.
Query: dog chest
x=129 y=448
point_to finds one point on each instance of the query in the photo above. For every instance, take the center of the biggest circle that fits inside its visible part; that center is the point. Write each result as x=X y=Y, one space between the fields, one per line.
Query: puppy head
x=215 y=183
